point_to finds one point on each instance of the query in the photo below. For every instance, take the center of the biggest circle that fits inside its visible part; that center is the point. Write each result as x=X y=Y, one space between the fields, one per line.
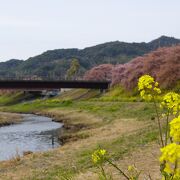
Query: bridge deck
x=46 y=85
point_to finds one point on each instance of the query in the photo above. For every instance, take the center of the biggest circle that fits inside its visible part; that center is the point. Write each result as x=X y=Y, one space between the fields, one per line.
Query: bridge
x=52 y=84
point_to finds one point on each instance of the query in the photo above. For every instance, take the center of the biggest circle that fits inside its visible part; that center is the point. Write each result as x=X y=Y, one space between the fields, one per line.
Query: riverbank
x=7 y=118
x=122 y=128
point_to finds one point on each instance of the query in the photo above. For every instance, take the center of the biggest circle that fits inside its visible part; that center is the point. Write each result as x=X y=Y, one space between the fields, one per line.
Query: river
x=34 y=133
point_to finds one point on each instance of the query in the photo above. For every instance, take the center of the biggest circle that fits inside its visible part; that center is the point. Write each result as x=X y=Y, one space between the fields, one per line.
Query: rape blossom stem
x=114 y=165
x=175 y=167
x=159 y=124
x=167 y=129
x=103 y=172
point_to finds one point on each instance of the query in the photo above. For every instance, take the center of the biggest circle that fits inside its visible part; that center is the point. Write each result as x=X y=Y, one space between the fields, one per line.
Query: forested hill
x=54 y=63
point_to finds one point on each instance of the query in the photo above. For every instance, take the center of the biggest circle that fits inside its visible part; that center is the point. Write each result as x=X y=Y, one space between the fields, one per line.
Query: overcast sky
x=30 y=27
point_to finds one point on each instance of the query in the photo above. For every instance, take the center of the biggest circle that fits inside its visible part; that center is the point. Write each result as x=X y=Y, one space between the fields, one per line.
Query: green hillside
x=54 y=63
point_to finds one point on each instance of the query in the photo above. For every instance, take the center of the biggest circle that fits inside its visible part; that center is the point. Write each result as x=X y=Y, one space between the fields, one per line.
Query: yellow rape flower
x=171 y=155
x=176 y=175
x=156 y=84
x=99 y=156
x=175 y=129
x=130 y=168
x=157 y=90
x=145 y=82
x=171 y=102
x=148 y=87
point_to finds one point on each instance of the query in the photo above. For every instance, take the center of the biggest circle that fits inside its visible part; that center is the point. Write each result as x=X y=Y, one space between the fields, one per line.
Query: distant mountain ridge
x=54 y=63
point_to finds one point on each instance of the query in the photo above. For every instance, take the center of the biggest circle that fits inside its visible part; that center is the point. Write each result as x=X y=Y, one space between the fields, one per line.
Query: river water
x=34 y=133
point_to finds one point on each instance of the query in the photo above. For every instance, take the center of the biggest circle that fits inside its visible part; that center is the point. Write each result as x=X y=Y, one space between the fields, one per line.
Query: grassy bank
x=119 y=127
x=9 y=118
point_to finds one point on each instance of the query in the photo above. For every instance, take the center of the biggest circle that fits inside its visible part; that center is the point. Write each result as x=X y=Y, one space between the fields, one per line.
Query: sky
x=30 y=27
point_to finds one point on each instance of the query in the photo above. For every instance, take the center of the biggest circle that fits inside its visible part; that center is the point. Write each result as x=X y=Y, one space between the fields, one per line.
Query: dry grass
x=9 y=118
x=39 y=165
x=144 y=158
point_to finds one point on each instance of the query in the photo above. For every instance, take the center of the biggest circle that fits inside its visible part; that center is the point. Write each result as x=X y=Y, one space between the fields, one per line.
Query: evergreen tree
x=73 y=70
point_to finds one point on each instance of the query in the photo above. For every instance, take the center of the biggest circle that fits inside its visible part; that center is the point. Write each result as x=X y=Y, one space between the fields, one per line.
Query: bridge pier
x=103 y=90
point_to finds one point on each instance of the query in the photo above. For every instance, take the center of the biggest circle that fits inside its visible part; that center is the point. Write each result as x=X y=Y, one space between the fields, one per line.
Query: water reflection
x=35 y=133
